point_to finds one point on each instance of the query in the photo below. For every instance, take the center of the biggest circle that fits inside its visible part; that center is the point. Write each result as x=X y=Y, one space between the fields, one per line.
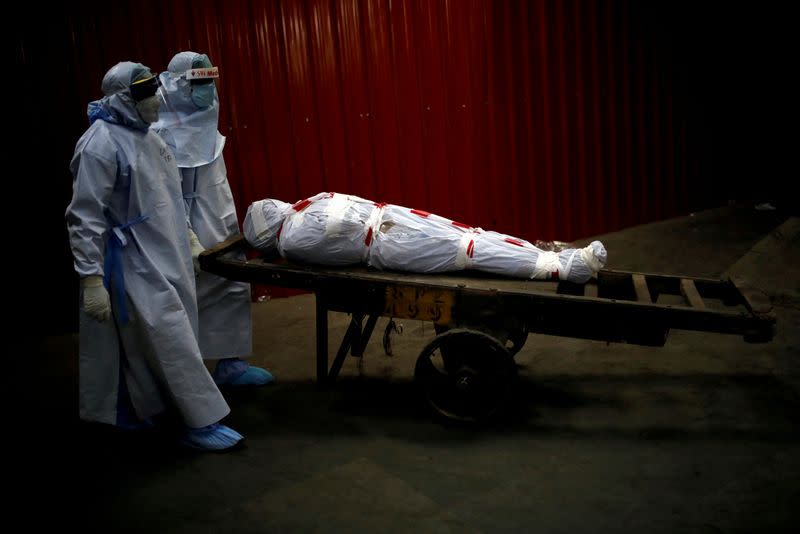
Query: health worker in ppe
x=138 y=351
x=188 y=124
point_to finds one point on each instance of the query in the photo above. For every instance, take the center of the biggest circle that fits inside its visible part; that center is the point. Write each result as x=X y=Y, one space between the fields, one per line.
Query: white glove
x=196 y=248
x=96 y=302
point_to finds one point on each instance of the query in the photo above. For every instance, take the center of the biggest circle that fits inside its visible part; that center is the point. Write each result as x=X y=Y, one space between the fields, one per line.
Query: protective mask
x=148 y=109
x=203 y=95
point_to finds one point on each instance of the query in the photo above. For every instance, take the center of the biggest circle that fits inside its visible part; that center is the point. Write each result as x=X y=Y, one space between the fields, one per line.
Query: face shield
x=202 y=84
x=202 y=76
x=145 y=88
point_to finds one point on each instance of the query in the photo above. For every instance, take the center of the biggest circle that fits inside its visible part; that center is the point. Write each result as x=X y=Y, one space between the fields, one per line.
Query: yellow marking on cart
x=421 y=303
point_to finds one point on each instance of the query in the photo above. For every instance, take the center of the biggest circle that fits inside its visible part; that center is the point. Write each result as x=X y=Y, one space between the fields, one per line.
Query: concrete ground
x=699 y=436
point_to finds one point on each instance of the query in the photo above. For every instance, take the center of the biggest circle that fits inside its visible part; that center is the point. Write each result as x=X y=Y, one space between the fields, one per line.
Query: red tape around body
x=301 y=205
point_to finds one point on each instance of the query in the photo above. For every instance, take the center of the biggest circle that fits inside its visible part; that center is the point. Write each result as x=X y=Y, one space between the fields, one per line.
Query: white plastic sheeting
x=337 y=230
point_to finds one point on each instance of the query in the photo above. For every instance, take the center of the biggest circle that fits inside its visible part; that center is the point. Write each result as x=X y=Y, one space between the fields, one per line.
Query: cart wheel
x=516 y=340
x=466 y=375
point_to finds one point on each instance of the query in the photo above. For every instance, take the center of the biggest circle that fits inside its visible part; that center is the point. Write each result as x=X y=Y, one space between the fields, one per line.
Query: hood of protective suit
x=190 y=131
x=263 y=222
x=118 y=106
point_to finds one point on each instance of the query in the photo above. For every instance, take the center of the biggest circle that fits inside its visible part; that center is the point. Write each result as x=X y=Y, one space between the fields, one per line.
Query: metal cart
x=467 y=371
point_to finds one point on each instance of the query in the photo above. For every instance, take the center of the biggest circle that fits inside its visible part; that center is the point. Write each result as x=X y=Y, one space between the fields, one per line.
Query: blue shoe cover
x=237 y=372
x=214 y=437
x=254 y=376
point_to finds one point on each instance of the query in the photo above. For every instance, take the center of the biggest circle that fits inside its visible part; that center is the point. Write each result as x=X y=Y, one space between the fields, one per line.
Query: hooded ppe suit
x=126 y=221
x=338 y=230
x=191 y=132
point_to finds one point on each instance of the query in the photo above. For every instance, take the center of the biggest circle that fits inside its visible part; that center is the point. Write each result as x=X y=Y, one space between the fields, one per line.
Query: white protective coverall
x=223 y=305
x=126 y=184
x=337 y=230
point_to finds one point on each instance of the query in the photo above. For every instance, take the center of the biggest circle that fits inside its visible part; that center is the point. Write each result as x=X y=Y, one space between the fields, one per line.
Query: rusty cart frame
x=482 y=321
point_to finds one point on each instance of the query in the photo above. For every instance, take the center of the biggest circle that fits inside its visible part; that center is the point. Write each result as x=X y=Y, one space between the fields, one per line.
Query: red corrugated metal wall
x=546 y=119
x=543 y=119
